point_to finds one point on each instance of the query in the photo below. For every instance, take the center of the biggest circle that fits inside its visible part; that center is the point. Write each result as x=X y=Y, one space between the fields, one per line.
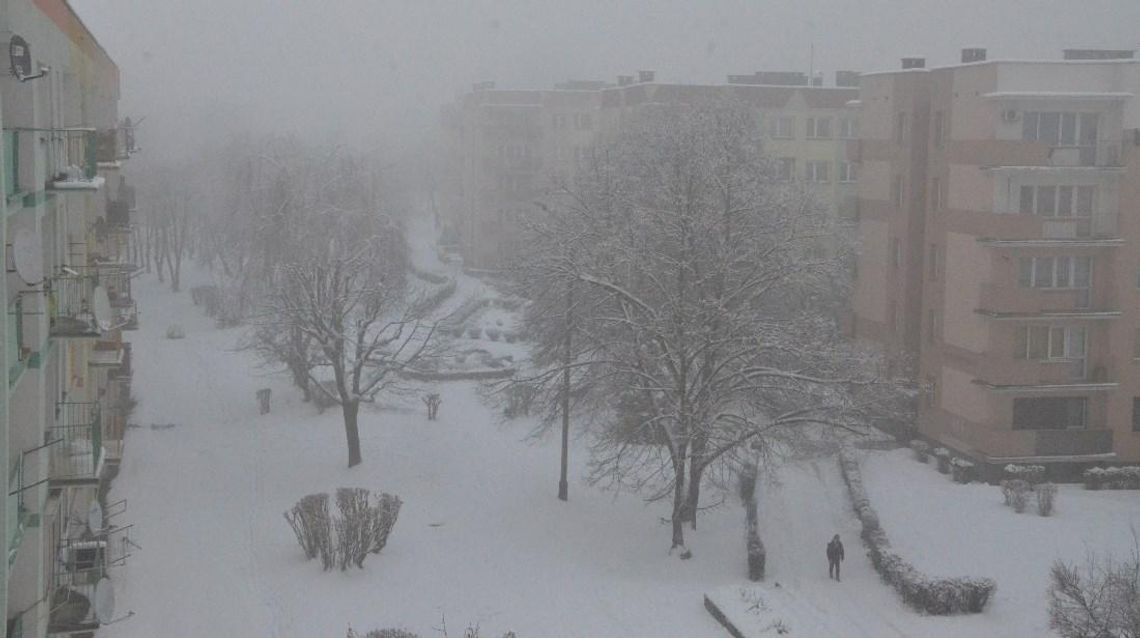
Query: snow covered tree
x=713 y=295
x=337 y=289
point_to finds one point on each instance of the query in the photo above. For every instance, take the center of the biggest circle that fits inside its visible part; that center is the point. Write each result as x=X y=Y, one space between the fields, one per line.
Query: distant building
x=1000 y=252
x=65 y=222
x=504 y=148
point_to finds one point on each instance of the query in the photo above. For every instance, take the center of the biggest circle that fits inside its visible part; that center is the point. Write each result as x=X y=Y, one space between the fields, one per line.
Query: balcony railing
x=17 y=511
x=1072 y=442
x=71 y=305
x=79 y=566
x=115 y=279
x=78 y=164
x=11 y=162
x=76 y=450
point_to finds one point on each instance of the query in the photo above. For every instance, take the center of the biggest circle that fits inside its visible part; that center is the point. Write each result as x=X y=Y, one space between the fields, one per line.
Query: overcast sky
x=377 y=71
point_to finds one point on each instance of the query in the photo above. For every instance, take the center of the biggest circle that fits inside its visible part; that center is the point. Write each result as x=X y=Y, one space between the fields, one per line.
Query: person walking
x=834 y=557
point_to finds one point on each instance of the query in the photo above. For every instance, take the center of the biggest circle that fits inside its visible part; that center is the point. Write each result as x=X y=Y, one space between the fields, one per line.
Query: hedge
x=936 y=596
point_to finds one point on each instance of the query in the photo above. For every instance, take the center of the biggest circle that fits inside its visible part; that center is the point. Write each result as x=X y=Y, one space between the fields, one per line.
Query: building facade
x=505 y=148
x=999 y=257
x=67 y=242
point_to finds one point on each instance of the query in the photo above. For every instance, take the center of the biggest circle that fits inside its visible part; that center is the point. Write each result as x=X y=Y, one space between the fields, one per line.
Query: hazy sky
x=364 y=71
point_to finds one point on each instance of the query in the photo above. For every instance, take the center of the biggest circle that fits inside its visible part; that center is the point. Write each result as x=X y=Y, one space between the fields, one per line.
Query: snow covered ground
x=481 y=537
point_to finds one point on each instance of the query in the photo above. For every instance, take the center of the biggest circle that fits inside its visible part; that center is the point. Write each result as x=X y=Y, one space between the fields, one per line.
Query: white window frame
x=848 y=128
x=782 y=127
x=1070 y=276
x=819 y=128
x=812 y=171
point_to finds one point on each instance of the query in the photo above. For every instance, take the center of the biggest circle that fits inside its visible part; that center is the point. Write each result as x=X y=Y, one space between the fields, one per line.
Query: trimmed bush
x=361 y=528
x=1015 y=493
x=936 y=596
x=1032 y=474
x=1046 y=495
x=921 y=450
x=493 y=334
x=943 y=456
x=962 y=470
x=474 y=332
x=175 y=331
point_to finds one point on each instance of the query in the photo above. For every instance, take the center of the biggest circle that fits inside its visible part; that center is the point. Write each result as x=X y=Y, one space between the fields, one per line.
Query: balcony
x=80 y=566
x=73 y=301
x=76 y=445
x=1072 y=442
x=1005 y=301
x=17 y=510
x=115 y=279
x=79 y=162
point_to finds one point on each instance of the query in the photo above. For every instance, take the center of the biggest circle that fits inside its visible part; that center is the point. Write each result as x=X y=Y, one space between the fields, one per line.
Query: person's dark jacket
x=835 y=550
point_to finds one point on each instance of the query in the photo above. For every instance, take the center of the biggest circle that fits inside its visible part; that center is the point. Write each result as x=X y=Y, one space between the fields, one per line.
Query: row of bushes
x=458 y=375
x=960 y=469
x=1125 y=477
x=475 y=332
x=937 y=596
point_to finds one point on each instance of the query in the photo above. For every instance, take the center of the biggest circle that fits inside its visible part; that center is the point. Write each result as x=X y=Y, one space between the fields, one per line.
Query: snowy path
x=797 y=519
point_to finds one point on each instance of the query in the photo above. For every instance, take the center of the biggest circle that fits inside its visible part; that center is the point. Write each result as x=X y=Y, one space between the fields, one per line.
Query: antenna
x=101 y=308
x=104 y=602
x=95 y=518
x=27 y=258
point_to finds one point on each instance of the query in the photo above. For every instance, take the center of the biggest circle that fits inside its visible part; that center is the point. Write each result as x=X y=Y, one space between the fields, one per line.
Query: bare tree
x=342 y=286
x=710 y=296
x=1099 y=600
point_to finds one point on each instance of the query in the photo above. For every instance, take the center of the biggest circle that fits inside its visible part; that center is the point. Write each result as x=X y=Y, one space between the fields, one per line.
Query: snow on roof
x=1078 y=95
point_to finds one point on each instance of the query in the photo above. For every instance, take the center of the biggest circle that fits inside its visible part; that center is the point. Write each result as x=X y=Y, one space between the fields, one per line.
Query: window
x=1055 y=272
x=1136 y=344
x=1059 y=128
x=817 y=171
x=848 y=128
x=1057 y=201
x=900 y=128
x=932 y=272
x=847 y=172
x=787 y=169
x=896 y=252
x=897 y=192
x=583 y=121
x=559 y=120
x=931 y=326
x=936 y=193
x=1136 y=414
x=783 y=127
x=937 y=127
x=1050 y=343
x=1050 y=413
x=819 y=128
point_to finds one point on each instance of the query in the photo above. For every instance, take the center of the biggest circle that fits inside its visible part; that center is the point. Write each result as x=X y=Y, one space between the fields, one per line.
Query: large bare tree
x=709 y=296
x=337 y=286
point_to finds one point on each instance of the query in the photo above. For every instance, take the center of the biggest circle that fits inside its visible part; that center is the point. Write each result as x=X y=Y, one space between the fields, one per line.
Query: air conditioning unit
x=1009 y=116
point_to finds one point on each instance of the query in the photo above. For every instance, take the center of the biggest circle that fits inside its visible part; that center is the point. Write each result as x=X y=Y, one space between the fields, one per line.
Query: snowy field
x=482 y=539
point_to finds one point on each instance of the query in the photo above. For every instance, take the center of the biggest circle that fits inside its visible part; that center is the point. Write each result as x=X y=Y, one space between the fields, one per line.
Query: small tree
x=1099 y=600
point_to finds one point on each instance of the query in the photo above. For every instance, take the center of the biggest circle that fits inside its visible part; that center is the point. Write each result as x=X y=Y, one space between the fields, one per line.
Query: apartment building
x=65 y=385
x=504 y=148
x=999 y=251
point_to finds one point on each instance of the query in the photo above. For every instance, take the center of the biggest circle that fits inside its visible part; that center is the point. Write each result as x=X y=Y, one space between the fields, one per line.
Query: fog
x=376 y=71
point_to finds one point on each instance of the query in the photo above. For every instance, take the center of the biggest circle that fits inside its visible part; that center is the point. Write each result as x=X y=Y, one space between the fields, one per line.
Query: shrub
x=943 y=456
x=937 y=596
x=962 y=470
x=510 y=336
x=493 y=334
x=361 y=528
x=1016 y=493
x=474 y=332
x=383 y=633
x=921 y=450
x=1033 y=474
x=175 y=331
x=1046 y=494
x=1094 y=478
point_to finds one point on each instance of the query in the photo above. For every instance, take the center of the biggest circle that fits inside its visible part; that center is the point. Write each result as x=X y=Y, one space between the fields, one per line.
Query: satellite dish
x=20 y=57
x=27 y=258
x=104 y=602
x=95 y=517
x=101 y=307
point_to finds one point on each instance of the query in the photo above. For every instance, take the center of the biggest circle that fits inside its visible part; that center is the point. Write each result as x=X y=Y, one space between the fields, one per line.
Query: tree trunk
x=563 y=484
x=679 y=504
x=352 y=432
x=695 y=471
